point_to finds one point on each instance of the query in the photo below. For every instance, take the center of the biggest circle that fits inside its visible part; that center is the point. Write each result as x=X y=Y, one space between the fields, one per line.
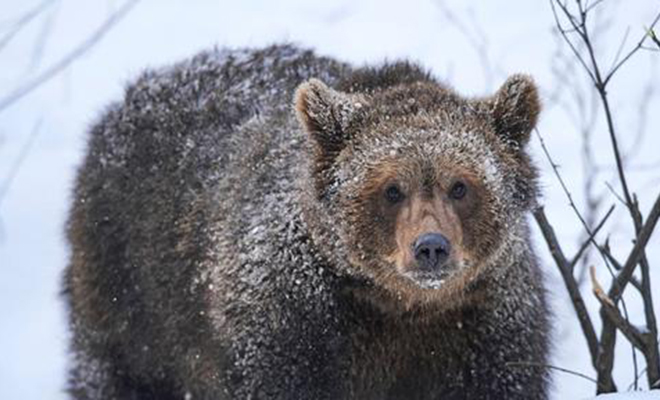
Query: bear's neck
x=323 y=228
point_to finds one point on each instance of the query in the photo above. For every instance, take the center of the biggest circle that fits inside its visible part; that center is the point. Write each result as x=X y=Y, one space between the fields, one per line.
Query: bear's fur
x=227 y=246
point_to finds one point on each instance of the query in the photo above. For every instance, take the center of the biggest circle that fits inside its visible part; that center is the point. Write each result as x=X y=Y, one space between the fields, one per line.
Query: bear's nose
x=431 y=250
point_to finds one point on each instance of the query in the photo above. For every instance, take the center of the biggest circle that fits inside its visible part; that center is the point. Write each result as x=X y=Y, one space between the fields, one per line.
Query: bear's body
x=219 y=253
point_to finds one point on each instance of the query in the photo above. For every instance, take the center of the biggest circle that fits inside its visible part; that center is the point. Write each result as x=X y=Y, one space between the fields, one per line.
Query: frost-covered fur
x=221 y=251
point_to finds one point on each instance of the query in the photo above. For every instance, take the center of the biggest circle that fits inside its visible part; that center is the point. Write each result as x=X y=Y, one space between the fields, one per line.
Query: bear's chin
x=432 y=280
x=427 y=280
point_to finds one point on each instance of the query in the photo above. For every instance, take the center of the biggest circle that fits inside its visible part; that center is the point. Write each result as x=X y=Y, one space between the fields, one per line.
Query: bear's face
x=424 y=184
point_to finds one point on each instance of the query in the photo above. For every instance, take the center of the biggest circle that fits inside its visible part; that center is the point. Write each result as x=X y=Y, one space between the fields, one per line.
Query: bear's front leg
x=285 y=351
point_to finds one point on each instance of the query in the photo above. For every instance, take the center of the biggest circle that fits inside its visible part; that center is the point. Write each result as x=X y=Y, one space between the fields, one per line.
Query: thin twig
x=616 y=195
x=651 y=48
x=654 y=38
x=639 y=375
x=22 y=155
x=564 y=32
x=477 y=39
x=568 y=194
x=592 y=6
x=620 y=49
x=56 y=68
x=591 y=237
x=549 y=366
x=23 y=21
x=634 y=49
x=42 y=38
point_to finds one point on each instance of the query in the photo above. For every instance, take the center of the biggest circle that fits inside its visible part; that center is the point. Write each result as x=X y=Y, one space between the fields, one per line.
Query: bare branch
x=564 y=33
x=654 y=38
x=591 y=237
x=620 y=49
x=639 y=375
x=571 y=285
x=476 y=38
x=644 y=341
x=555 y=169
x=624 y=276
x=540 y=365
x=42 y=38
x=651 y=48
x=648 y=33
x=615 y=194
x=592 y=6
x=631 y=333
x=605 y=360
x=617 y=265
x=571 y=202
x=24 y=21
x=56 y=68
x=597 y=289
x=15 y=167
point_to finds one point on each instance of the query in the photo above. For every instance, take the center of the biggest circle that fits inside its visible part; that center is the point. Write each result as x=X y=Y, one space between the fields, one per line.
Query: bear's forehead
x=407 y=154
x=437 y=144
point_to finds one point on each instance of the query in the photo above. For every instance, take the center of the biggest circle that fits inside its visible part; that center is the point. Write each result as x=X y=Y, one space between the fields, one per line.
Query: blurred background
x=63 y=61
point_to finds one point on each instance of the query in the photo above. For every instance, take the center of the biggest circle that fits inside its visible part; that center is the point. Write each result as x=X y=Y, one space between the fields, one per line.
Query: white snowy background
x=517 y=36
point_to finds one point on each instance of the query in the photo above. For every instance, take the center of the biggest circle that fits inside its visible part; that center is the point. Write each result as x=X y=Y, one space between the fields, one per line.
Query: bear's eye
x=393 y=194
x=458 y=190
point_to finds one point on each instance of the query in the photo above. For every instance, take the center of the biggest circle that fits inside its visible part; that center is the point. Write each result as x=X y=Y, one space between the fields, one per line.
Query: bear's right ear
x=516 y=107
x=330 y=118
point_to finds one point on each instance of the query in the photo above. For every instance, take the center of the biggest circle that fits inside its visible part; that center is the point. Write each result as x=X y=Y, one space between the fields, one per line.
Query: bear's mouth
x=427 y=279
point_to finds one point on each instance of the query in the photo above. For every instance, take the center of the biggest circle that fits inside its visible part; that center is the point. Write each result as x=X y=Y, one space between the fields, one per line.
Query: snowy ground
x=517 y=37
x=652 y=395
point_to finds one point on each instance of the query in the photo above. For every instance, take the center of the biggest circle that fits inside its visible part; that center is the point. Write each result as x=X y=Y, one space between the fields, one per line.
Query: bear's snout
x=431 y=251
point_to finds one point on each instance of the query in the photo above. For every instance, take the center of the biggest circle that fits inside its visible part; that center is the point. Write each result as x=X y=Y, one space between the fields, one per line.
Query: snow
x=651 y=395
x=32 y=247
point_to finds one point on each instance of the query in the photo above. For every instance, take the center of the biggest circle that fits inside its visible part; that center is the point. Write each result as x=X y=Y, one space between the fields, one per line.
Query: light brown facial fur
x=425 y=213
x=426 y=205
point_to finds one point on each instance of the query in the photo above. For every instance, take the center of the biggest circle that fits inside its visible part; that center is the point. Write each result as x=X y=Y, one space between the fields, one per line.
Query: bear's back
x=164 y=168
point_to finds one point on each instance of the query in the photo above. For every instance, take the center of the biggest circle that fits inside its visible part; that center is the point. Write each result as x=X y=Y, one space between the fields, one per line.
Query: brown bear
x=369 y=242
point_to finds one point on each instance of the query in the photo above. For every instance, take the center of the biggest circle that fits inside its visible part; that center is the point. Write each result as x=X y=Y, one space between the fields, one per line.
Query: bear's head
x=425 y=189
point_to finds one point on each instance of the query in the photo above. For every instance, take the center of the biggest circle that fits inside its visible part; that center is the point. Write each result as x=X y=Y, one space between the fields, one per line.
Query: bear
x=274 y=224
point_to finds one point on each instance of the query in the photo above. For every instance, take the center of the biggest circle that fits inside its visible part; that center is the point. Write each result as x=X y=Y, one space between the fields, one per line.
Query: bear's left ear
x=515 y=108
